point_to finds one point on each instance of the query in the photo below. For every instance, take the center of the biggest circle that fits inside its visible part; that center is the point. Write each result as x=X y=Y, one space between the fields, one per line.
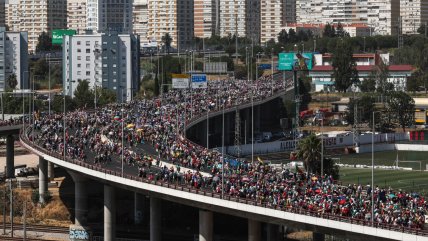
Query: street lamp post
x=271 y=58
x=49 y=65
x=372 y=206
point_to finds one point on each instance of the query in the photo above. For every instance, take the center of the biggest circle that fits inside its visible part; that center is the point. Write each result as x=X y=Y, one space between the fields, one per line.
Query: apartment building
x=76 y=15
x=175 y=17
x=289 y=11
x=233 y=18
x=140 y=19
x=13 y=58
x=253 y=16
x=381 y=15
x=108 y=15
x=271 y=19
x=36 y=17
x=204 y=18
x=109 y=61
x=414 y=13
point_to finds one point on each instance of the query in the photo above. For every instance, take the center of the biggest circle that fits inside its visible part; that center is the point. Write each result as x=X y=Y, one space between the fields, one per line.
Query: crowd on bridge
x=143 y=132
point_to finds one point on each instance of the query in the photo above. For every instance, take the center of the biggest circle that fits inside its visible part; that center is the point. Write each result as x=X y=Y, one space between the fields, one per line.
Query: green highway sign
x=58 y=34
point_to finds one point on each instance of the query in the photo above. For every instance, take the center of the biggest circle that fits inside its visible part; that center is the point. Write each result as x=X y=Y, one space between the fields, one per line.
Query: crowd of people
x=141 y=133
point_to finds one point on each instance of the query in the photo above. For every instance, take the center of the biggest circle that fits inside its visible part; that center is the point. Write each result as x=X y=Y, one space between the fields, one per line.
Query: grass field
x=405 y=180
x=386 y=158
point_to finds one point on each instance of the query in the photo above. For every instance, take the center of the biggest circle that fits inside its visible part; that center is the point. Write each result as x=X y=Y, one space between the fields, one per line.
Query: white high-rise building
x=109 y=61
x=233 y=18
x=271 y=19
x=108 y=15
x=36 y=17
x=13 y=58
x=174 y=17
x=414 y=13
x=381 y=15
x=76 y=15
x=204 y=18
x=140 y=19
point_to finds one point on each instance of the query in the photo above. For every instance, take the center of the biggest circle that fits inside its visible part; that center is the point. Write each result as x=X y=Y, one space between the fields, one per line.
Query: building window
x=88 y=58
x=79 y=57
x=79 y=72
x=78 y=42
x=88 y=51
x=88 y=73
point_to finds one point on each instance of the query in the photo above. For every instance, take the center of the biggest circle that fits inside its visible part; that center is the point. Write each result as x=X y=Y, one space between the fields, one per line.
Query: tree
x=105 y=96
x=401 y=106
x=309 y=151
x=58 y=103
x=83 y=96
x=368 y=84
x=345 y=73
x=283 y=37
x=365 y=106
x=44 y=42
x=340 y=32
x=167 y=40
x=292 y=37
x=421 y=29
x=329 y=31
x=11 y=82
x=382 y=75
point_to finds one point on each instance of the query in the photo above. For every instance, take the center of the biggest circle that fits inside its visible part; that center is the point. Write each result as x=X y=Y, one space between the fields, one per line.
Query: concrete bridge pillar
x=51 y=173
x=139 y=201
x=272 y=232
x=318 y=236
x=43 y=179
x=10 y=162
x=109 y=213
x=254 y=230
x=80 y=199
x=155 y=219
x=205 y=225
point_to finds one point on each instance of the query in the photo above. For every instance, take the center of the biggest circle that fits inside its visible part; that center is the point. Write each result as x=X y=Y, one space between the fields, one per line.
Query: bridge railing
x=191 y=189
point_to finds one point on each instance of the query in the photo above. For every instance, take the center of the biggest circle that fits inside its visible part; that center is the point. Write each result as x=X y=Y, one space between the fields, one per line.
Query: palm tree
x=166 y=39
x=310 y=152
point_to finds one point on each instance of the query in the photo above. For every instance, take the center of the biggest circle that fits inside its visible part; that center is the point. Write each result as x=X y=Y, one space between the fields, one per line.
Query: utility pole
x=11 y=208
x=4 y=210
x=24 y=223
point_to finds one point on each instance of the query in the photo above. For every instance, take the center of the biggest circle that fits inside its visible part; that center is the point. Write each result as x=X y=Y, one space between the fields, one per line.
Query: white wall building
x=204 y=18
x=109 y=61
x=140 y=19
x=107 y=15
x=36 y=17
x=381 y=15
x=13 y=58
x=414 y=13
x=271 y=19
x=76 y=15
x=233 y=17
x=174 y=17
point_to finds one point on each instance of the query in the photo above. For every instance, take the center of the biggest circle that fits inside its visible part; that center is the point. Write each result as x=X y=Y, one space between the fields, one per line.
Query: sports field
x=406 y=180
x=386 y=158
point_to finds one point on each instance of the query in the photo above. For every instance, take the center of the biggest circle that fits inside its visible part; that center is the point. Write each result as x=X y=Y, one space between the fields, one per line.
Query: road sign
x=215 y=67
x=265 y=66
x=199 y=81
x=58 y=35
x=303 y=61
x=180 y=81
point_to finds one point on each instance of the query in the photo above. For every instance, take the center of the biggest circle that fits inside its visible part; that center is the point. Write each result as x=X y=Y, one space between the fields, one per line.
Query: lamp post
x=222 y=154
x=49 y=65
x=372 y=206
x=271 y=58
